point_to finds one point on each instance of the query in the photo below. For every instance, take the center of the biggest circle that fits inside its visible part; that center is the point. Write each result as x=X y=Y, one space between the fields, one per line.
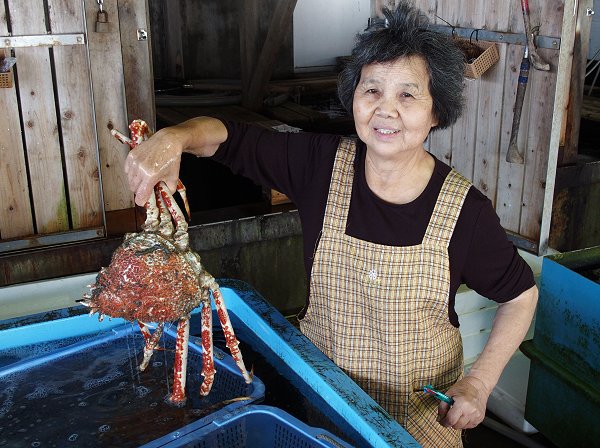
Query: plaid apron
x=381 y=312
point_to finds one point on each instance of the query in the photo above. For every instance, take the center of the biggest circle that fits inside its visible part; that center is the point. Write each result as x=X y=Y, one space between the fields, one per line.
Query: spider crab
x=154 y=276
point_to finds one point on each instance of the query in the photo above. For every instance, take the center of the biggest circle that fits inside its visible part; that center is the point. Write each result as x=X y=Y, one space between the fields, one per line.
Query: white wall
x=324 y=30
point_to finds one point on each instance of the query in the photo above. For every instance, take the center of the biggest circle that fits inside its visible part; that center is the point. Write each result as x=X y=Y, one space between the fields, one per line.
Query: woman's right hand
x=158 y=158
x=154 y=160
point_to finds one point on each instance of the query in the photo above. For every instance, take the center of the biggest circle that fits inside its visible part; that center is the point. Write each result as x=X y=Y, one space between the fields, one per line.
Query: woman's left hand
x=470 y=399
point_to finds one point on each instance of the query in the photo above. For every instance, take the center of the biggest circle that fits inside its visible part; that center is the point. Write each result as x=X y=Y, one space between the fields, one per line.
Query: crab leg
x=151 y=342
x=166 y=225
x=208 y=364
x=181 y=237
x=230 y=339
x=181 y=354
x=182 y=192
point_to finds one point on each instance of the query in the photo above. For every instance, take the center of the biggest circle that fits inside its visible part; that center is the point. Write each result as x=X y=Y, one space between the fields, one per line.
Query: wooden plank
x=439 y=142
x=279 y=26
x=76 y=116
x=15 y=208
x=137 y=62
x=489 y=121
x=542 y=86
x=464 y=160
x=510 y=175
x=110 y=108
x=38 y=107
x=463 y=133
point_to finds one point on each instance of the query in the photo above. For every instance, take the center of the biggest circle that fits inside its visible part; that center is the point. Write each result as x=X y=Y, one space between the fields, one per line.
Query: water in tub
x=98 y=397
x=95 y=397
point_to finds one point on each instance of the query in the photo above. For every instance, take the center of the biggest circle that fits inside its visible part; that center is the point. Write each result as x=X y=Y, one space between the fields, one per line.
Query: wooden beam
x=563 y=78
x=278 y=27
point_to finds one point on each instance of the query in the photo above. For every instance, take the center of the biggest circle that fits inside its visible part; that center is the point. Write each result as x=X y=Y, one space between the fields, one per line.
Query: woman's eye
x=406 y=95
x=372 y=91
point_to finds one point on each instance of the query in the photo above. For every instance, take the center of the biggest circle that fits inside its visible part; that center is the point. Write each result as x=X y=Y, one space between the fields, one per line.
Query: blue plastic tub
x=563 y=394
x=78 y=385
x=256 y=426
x=357 y=418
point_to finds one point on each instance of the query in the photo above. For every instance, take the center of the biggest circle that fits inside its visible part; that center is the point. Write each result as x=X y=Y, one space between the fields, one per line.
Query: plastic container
x=78 y=382
x=256 y=427
x=563 y=395
x=352 y=412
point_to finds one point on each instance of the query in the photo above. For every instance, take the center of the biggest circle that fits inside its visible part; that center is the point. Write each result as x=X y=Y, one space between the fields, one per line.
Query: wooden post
x=560 y=102
x=570 y=131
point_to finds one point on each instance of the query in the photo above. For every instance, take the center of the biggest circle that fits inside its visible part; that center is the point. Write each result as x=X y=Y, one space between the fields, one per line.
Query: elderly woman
x=390 y=232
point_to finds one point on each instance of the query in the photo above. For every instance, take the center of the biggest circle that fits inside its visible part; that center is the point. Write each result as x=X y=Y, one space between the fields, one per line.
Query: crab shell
x=148 y=279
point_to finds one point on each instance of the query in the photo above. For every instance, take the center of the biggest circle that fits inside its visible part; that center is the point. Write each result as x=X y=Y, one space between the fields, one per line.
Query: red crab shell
x=148 y=279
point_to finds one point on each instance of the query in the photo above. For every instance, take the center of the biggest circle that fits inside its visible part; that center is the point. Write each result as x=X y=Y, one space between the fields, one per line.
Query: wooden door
x=60 y=169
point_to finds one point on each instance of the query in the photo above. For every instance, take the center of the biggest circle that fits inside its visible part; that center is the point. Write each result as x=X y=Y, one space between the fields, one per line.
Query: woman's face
x=393 y=109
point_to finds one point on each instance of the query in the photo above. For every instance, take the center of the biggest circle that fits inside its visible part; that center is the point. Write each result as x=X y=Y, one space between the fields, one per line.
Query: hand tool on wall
x=513 y=155
x=536 y=60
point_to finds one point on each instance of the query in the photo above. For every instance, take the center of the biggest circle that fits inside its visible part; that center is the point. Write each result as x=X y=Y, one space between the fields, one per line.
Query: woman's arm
x=158 y=158
x=471 y=393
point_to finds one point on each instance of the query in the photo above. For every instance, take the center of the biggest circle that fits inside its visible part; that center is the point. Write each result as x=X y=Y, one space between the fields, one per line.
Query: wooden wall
x=60 y=169
x=49 y=180
x=477 y=145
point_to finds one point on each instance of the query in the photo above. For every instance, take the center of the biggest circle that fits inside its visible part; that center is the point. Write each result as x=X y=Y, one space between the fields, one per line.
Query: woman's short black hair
x=404 y=33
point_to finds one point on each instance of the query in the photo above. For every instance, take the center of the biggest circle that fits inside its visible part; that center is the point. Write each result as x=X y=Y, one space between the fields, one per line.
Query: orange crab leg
x=230 y=339
x=151 y=342
x=182 y=193
x=123 y=138
x=181 y=237
x=181 y=354
x=208 y=364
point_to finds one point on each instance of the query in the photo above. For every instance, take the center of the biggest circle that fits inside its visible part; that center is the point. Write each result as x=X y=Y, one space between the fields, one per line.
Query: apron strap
x=445 y=213
x=340 y=189
x=447 y=209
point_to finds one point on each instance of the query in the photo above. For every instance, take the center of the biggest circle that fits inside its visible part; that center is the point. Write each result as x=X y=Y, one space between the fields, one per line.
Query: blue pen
x=437 y=394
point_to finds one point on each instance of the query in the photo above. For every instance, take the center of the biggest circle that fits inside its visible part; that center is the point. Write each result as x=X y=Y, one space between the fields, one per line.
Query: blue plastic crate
x=50 y=396
x=256 y=426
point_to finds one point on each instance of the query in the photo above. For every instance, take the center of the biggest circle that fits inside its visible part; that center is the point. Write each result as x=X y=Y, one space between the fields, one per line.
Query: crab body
x=148 y=280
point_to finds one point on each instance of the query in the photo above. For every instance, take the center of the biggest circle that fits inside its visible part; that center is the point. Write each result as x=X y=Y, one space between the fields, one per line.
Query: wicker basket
x=6 y=79
x=488 y=56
